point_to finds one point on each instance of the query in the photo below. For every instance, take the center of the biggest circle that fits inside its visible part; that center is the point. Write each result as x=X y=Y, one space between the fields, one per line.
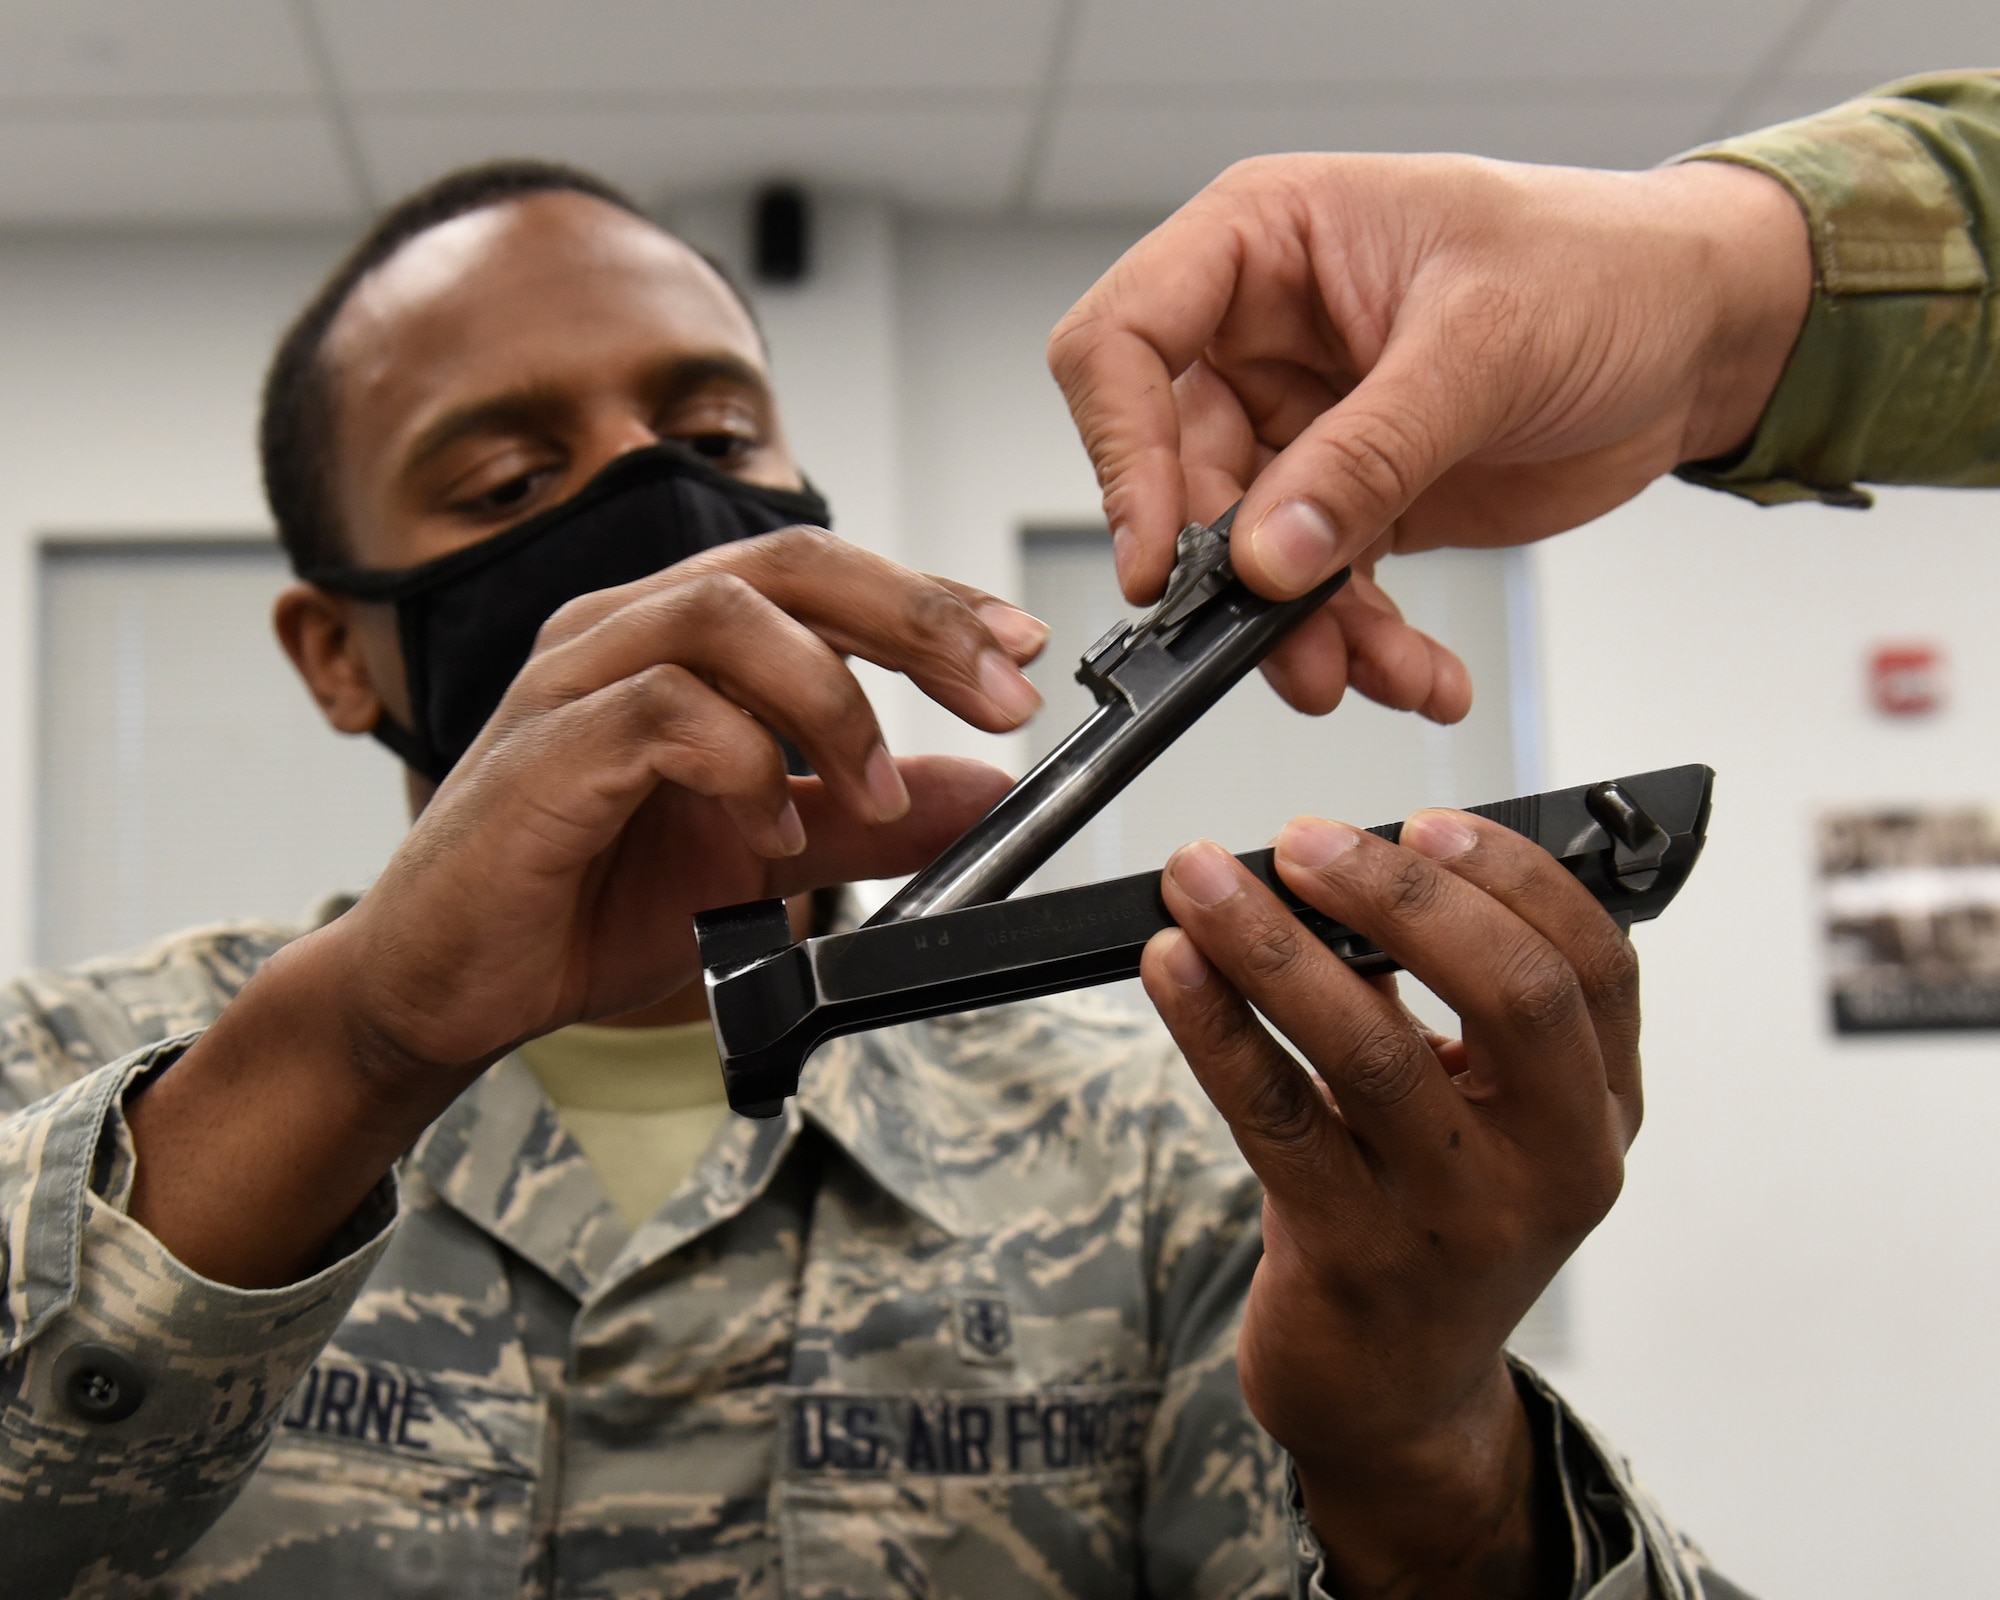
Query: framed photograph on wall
x=1910 y=902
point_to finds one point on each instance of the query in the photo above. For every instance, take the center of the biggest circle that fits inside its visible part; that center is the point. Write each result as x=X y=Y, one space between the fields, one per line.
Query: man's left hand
x=1420 y=1192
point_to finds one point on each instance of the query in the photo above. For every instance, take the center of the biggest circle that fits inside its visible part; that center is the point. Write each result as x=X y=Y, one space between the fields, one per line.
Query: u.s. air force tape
x=965 y=1434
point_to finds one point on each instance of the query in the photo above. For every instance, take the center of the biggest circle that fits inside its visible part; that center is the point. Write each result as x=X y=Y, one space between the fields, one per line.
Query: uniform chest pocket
x=977 y=1494
x=382 y=1480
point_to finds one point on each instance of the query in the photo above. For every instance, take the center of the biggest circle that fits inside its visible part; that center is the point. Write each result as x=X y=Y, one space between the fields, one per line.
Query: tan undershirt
x=641 y=1103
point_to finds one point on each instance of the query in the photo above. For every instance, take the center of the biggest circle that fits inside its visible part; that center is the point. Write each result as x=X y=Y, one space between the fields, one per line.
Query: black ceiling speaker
x=781 y=234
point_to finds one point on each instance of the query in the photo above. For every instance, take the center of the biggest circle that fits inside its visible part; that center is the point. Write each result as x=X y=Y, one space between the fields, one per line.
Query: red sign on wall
x=1906 y=680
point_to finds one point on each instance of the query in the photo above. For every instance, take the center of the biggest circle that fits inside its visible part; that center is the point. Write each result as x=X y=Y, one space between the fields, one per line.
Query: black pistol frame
x=1631 y=841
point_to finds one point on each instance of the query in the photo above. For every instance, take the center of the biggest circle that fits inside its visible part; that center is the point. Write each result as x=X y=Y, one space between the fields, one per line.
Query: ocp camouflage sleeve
x=1896 y=374
x=135 y=1397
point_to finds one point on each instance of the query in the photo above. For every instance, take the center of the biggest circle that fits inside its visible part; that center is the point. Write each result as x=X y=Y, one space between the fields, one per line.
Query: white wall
x=182 y=777
x=129 y=369
x=988 y=447
x=1789 y=1319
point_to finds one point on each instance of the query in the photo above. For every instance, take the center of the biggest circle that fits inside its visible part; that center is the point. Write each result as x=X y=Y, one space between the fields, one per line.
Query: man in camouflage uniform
x=509 y=1393
x=1405 y=352
x=961 y=1322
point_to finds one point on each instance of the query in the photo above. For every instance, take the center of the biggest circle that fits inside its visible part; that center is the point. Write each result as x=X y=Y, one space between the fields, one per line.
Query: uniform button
x=98 y=1383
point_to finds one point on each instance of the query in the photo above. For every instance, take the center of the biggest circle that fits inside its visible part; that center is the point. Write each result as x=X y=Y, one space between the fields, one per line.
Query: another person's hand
x=1393 y=353
x=1420 y=1192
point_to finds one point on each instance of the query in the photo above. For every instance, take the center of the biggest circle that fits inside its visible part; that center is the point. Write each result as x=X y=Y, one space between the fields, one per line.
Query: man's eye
x=504 y=497
x=718 y=446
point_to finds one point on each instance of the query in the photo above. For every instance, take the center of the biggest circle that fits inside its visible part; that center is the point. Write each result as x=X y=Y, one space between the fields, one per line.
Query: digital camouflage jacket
x=961 y=1323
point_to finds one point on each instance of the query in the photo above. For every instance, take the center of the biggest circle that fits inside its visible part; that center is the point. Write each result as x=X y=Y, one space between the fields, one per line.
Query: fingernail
x=791 y=831
x=1007 y=687
x=1019 y=632
x=1124 y=553
x=1438 y=834
x=1185 y=964
x=885 y=786
x=1315 y=844
x=1296 y=544
x=1206 y=873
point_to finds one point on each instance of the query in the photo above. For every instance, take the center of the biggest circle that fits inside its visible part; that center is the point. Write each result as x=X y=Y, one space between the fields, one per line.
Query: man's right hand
x=630 y=778
x=1387 y=353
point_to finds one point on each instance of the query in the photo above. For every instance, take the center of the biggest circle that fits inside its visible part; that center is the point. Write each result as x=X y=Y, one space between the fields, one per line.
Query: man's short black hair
x=296 y=428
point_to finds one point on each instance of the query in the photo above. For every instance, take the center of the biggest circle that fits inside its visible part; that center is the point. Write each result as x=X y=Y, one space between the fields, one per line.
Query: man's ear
x=338 y=652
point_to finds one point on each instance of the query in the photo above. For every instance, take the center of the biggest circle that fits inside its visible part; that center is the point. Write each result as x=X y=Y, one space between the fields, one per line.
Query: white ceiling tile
x=123 y=49
x=1875 y=41
x=1127 y=157
x=1189 y=43
x=179 y=169
x=964 y=159
x=662 y=46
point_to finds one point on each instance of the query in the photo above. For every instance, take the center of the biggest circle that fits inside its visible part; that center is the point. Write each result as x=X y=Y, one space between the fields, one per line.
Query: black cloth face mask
x=468 y=620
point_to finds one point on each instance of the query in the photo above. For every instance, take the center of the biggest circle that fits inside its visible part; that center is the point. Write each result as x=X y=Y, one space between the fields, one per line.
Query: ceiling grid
x=131 y=112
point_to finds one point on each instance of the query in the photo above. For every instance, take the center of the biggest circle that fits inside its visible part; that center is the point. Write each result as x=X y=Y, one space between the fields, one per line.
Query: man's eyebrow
x=676 y=380
x=517 y=410
x=534 y=405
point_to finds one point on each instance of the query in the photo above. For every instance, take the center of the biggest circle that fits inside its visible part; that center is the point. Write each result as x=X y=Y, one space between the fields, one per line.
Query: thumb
x=1333 y=491
x=947 y=795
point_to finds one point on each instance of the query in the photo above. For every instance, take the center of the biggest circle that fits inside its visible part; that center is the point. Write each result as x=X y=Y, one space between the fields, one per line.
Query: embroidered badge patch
x=985 y=1327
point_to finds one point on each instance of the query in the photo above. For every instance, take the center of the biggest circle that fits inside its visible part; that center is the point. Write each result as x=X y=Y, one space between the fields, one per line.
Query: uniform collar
x=870 y=1095
x=935 y=1113
x=501 y=1157
x=953 y=1115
